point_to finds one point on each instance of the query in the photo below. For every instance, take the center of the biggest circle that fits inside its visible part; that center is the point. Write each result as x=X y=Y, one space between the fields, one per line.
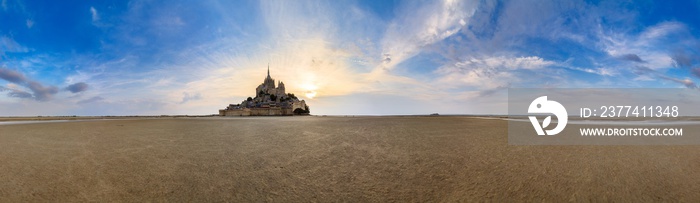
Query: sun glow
x=310 y=90
x=310 y=94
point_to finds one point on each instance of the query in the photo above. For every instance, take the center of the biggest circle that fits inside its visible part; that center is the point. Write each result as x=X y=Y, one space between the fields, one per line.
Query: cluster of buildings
x=270 y=100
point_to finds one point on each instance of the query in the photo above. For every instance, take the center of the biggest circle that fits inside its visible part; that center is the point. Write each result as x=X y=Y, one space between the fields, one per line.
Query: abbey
x=269 y=100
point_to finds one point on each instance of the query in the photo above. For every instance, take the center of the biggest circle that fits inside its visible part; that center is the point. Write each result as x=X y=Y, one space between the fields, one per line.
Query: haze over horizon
x=143 y=57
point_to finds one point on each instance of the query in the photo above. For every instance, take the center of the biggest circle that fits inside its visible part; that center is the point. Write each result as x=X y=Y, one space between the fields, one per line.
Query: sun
x=310 y=90
x=310 y=94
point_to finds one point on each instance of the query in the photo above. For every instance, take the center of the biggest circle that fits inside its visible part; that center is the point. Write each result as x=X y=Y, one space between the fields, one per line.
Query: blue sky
x=344 y=57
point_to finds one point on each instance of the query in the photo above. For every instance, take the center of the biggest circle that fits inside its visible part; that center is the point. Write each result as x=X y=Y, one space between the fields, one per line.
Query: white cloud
x=660 y=30
x=488 y=72
x=648 y=45
x=503 y=25
x=299 y=19
x=30 y=23
x=175 y=21
x=95 y=15
x=8 y=44
x=507 y=63
x=659 y=48
x=597 y=71
x=186 y=97
x=643 y=78
x=418 y=25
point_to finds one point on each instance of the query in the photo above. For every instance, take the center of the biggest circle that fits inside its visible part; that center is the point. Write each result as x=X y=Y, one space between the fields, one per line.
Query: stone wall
x=234 y=112
x=299 y=105
x=272 y=111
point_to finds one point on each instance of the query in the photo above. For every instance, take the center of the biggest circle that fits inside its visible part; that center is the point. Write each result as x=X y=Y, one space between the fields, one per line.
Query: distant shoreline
x=48 y=118
x=71 y=118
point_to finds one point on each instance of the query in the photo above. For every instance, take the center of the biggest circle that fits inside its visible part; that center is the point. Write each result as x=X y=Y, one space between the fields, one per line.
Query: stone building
x=270 y=100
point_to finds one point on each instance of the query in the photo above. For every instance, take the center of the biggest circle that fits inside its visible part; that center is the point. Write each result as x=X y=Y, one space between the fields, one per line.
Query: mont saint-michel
x=269 y=100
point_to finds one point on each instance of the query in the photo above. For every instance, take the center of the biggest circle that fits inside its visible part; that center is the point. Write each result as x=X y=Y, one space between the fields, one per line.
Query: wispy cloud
x=15 y=93
x=9 y=45
x=421 y=24
x=186 y=97
x=649 y=46
x=597 y=71
x=30 y=23
x=489 y=72
x=661 y=47
x=91 y=100
x=683 y=59
x=95 y=15
x=643 y=70
x=661 y=30
x=20 y=94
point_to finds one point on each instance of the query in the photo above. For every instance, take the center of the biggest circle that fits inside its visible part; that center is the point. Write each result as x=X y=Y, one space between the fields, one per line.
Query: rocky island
x=269 y=100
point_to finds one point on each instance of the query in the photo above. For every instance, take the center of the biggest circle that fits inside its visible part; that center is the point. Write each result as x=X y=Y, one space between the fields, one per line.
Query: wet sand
x=302 y=159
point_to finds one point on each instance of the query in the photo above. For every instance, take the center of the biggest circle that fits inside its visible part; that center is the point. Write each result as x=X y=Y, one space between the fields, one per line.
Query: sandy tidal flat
x=301 y=159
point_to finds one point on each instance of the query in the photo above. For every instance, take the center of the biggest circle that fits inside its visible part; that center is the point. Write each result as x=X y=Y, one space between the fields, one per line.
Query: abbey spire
x=268 y=83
